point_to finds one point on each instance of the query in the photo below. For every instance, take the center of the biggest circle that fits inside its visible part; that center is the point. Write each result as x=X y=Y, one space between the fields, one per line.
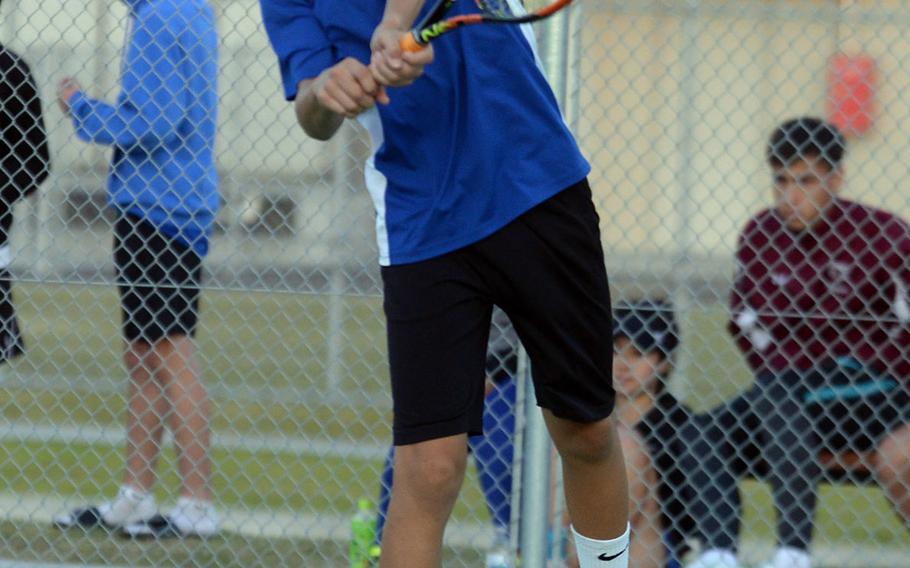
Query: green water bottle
x=363 y=534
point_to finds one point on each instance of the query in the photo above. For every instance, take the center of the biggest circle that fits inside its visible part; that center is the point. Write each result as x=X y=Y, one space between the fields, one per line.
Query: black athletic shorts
x=849 y=409
x=546 y=271
x=159 y=280
x=11 y=344
x=853 y=407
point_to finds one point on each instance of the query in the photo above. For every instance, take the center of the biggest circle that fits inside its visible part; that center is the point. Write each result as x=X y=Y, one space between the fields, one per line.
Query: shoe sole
x=86 y=519
x=169 y=535
x=161 y=528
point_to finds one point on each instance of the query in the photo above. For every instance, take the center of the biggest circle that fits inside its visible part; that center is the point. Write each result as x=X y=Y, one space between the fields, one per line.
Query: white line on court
x=265 y=523
x=88 y=434
x=290 y=524
x=293 y=524
x=24 y=564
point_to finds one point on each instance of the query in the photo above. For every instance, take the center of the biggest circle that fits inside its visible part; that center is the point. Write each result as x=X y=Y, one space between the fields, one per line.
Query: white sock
x=790 y=556
x=133 y=493
x=612 y=553
x=719 y=556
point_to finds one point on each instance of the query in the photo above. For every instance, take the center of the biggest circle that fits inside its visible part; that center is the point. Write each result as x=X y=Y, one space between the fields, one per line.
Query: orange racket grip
x=409 y=43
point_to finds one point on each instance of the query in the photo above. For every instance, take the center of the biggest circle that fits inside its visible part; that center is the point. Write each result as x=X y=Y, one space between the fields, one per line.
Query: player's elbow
x=318 y=124
x=317 y=132
x=149 y=136
x=161 y=131
x=316 y=121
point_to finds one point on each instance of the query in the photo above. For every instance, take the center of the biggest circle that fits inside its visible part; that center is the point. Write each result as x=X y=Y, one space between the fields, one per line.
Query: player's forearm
x=401 y=14
x=316 y=120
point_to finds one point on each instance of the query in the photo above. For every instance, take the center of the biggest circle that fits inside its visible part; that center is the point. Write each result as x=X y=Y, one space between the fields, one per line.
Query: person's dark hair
x=649 y=324
x=806 y=137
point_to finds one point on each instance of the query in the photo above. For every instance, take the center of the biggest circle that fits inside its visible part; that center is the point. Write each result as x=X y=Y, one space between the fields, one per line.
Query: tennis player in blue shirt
x=481 y=198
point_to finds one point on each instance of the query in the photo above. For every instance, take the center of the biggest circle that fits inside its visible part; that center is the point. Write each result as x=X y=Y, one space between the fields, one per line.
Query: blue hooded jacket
x=163 y=124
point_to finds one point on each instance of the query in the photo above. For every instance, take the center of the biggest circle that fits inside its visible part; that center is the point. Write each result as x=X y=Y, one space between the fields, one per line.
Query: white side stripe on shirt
x=901 y=301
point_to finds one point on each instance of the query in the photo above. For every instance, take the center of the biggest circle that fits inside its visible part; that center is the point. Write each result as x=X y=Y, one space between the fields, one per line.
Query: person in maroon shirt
x=820 y=308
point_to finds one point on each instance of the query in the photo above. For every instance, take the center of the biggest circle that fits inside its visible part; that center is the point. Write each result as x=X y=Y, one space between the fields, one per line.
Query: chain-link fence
x=673 y=102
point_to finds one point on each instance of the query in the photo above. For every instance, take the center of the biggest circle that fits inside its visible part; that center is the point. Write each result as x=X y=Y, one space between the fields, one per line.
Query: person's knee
x=429 y=472
x=892 y=460
x=141 y=360
x=640 y=473
x=587 y=443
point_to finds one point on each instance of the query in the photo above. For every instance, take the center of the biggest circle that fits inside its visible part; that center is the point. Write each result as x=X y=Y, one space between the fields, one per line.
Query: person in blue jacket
x=164 y=188
x=481 y=198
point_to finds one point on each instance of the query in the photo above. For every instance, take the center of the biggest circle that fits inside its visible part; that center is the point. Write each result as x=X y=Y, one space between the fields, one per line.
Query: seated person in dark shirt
x=645 y=338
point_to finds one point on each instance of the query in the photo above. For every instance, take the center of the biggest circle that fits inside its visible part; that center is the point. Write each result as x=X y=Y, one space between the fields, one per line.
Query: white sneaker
x=128 y=507
x=716 y=558
x=498 y=559
x=189 y=518
x=789 y=557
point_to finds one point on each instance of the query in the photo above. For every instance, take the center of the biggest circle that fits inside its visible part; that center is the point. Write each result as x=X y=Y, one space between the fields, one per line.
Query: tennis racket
x=435 y=23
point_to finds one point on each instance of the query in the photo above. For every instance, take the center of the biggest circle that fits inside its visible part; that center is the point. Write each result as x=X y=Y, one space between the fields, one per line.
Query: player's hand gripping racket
x=435 y=23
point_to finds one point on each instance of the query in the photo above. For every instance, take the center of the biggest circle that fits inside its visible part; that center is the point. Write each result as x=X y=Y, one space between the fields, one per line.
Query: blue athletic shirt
x=474 y=143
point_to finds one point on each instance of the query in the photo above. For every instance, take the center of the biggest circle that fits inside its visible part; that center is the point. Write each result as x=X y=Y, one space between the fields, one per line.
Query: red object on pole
x=851 y=93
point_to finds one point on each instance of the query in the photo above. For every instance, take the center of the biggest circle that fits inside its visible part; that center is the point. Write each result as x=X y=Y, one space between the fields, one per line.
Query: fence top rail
x=867 y=14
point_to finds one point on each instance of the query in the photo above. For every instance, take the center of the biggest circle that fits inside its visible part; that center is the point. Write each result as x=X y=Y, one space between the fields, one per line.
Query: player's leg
x=189 y=414
x=646 y=549
x=146 y=405
x=594 y=480
x=548 y=272
x=715 y=441
x=146 y=409
x=168 y=315
x=10 y=334
x=892 y=467
x=427 y=478
x=592 y=464
x=791 y=452
x=892 y=458
x=161 y=313
x=438 y=325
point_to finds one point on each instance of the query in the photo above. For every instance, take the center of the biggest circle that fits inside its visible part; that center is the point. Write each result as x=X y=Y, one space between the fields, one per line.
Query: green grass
x=243 y=479
x=845 y=515
x=254 y=347
x=292 y=418
x=265 y=356
x=253 y=339
x=713 y=367
x=31 y=542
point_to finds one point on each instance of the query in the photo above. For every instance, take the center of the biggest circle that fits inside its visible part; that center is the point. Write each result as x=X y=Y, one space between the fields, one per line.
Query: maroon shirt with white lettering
x=838 y=288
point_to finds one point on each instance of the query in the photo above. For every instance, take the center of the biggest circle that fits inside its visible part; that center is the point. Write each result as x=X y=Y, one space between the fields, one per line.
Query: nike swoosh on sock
x=606 y=558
